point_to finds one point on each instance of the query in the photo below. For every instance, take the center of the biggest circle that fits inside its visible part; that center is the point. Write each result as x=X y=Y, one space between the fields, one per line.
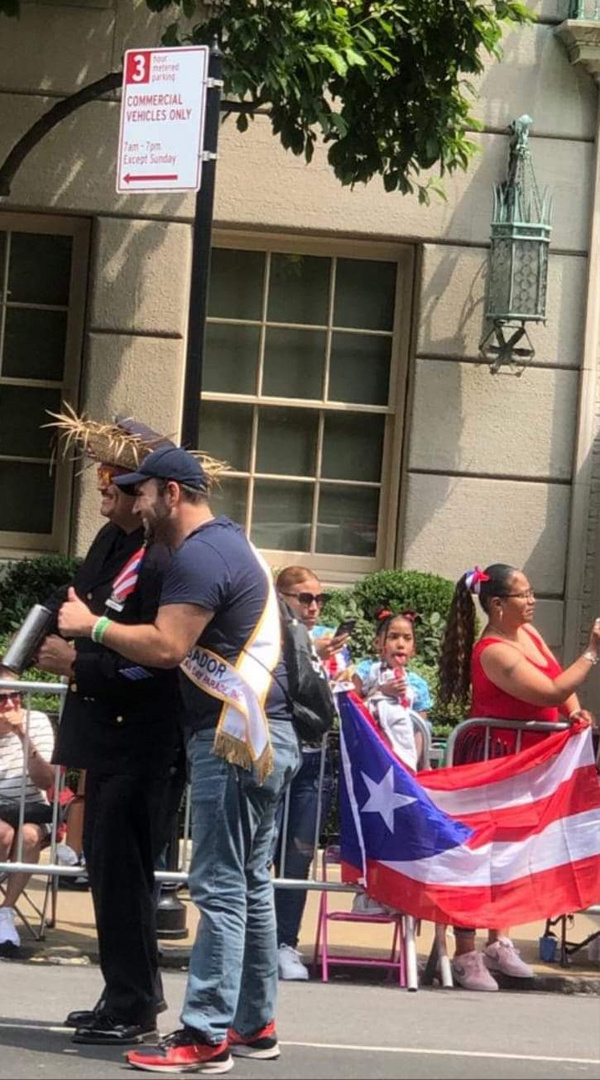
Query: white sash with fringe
x=242 y=735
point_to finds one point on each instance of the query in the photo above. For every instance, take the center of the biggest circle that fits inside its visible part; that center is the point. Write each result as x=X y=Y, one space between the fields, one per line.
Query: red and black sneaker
x=262 y=1045
x=182 y=1051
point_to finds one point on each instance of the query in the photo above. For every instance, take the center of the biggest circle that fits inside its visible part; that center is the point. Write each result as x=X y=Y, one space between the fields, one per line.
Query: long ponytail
x=457 y=648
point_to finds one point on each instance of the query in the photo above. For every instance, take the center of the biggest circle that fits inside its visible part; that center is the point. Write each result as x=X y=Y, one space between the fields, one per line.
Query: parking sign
x=162 y=119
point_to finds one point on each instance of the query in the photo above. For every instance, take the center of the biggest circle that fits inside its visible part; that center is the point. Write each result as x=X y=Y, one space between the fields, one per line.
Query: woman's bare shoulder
x=498 y=654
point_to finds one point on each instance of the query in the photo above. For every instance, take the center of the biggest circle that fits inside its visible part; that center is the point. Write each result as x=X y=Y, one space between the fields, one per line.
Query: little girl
x=390 y=691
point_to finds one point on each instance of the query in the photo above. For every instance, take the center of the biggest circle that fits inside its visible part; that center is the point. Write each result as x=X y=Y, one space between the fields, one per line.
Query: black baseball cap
x=167 y=463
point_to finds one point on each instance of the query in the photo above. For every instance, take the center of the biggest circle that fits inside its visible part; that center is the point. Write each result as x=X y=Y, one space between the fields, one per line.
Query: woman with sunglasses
x=15 y=762
x=302 y=592
x=510 y=674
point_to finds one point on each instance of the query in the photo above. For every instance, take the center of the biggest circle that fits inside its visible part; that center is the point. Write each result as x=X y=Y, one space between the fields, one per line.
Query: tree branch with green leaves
x=384 y=84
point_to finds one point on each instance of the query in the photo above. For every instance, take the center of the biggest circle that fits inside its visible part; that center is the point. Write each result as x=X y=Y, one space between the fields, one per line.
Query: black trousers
x=124 y=831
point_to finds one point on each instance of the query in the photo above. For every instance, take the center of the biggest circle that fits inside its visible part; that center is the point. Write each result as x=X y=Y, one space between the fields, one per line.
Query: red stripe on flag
x=571 y=887
x=481 y=773
x=576 y=795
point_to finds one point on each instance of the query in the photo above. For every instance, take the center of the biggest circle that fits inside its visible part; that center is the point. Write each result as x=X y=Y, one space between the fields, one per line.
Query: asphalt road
x=337 y=1030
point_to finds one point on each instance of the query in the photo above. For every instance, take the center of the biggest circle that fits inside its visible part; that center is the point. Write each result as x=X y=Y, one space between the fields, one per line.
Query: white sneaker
x=290 y=965
x=470 y=972
x=9 y=935
x=366 y=905
x=65 y=856
x=502 y=956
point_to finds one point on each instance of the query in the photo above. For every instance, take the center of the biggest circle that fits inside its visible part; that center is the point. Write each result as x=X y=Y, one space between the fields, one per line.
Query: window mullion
x=329 y=331
x=4 y=298
x=253 y=450
x=317 y=488
x=263 y=325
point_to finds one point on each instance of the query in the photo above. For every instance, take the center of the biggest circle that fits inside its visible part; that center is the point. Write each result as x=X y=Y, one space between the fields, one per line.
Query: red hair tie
x=383 y=614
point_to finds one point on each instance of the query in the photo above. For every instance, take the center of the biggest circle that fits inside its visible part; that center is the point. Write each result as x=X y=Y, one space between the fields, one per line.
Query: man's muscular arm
x=162 y=644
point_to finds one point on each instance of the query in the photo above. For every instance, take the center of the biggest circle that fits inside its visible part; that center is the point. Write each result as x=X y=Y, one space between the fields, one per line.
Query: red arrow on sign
x=128 y=178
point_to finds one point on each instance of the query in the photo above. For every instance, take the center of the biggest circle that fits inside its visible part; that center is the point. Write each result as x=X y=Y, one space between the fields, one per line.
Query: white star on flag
x=383 y=799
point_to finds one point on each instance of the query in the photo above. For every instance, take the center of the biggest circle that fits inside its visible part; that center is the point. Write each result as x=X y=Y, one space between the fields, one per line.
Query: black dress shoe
x=106 y=1030
x=82 y=1018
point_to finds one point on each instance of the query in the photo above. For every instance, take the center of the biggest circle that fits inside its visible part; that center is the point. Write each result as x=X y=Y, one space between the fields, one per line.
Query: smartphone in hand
x=345 y=627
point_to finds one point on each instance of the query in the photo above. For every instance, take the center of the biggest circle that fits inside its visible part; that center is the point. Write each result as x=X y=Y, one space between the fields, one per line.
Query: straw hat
x=122 y=443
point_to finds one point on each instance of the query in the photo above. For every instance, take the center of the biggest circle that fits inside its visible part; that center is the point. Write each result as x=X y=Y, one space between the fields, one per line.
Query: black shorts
x=36 y=813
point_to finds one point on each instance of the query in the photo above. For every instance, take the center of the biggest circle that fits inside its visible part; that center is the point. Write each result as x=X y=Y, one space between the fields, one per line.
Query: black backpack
x=309 y=695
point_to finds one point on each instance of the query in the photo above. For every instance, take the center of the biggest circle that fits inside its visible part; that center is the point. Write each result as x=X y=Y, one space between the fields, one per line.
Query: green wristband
x=99 y=629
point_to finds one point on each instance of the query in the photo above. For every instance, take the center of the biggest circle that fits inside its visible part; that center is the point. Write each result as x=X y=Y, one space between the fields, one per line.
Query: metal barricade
x=489 y=724
x=315 y=882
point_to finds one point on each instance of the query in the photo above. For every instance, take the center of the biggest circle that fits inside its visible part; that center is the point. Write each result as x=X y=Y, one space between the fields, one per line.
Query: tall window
x=42 y=282
x=302 y=393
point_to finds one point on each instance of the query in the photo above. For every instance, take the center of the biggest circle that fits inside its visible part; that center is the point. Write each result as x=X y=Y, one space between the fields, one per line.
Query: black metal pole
x=203 y=217
x=171 y=914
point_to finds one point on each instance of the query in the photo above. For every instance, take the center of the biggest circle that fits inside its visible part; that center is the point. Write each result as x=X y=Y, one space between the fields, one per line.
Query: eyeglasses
x=308 y=598
x=8 y=695
x=527 y=594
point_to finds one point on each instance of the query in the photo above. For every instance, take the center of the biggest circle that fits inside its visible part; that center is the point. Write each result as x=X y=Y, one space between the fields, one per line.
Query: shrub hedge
x=31 y=581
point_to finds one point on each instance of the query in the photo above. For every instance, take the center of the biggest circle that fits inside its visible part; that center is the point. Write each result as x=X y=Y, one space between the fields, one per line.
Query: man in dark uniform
x=120 y=723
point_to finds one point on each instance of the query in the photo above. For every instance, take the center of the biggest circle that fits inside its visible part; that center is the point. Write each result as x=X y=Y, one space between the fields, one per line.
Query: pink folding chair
x=397 y=957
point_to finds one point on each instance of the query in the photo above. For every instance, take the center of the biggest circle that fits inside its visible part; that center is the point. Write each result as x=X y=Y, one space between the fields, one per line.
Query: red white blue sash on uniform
x=126 y=580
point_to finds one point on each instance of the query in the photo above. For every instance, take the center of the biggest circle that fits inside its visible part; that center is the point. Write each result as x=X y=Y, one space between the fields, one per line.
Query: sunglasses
x=8 y=695
x=308 y=598
x=107 y=473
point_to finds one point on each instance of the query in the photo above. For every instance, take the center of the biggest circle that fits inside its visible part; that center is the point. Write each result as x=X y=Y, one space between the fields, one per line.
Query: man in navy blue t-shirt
x=217 y=569
x=218 y=620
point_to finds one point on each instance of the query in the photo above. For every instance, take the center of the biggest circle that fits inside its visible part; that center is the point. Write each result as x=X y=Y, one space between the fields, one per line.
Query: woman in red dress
x=509 y=674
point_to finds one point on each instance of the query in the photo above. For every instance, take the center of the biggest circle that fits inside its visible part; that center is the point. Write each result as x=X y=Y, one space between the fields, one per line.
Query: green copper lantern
x=518 y=260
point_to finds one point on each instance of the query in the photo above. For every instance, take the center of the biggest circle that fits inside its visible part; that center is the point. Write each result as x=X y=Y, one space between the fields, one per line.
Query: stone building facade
x=343 y=380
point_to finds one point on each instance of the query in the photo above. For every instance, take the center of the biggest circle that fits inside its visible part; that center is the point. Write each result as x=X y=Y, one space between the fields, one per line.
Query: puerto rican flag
x=493 y=844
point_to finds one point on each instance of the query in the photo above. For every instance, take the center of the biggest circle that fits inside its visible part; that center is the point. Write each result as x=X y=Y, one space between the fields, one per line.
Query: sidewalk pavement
x=73 y=940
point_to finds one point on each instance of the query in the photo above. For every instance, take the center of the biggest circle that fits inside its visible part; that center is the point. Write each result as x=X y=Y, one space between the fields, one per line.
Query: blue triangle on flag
x=382 y=803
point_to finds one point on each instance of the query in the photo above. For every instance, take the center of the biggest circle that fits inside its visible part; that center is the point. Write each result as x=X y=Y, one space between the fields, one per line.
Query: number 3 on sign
x=138 y=67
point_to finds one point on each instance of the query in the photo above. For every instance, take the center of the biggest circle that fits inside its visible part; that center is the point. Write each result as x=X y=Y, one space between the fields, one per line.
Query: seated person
x=38 y=812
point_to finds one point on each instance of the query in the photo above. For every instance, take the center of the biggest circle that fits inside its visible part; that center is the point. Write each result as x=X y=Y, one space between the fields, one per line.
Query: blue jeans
x=232 y=979
x=302 y=820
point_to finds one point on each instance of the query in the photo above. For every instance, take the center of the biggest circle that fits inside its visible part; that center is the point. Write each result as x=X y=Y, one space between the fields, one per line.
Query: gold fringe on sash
x=237 y=752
